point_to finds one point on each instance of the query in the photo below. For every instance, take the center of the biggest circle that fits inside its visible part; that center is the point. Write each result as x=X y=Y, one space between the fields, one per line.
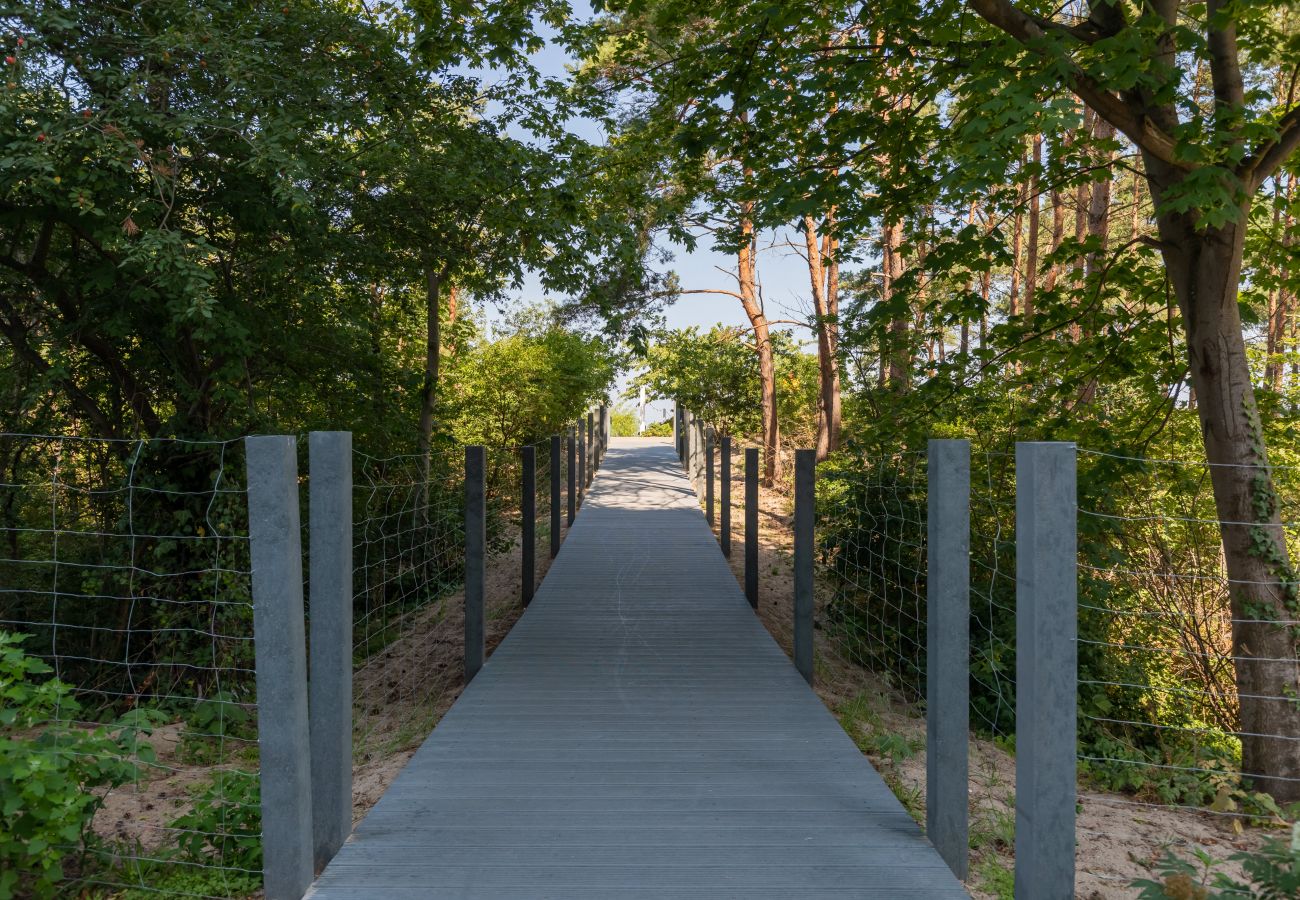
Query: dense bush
x=52 y=772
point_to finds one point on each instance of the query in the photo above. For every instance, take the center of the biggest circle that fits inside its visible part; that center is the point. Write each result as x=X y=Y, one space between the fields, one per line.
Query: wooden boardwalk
x=638 y=735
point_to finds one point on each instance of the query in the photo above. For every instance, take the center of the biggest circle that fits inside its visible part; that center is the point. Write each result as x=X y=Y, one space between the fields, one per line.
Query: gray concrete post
x=751 y=526
x=528 y=512
x=280 y=653
x=708 y=476
x=687 y=442
x=591 y=448
x=330 y=686
x=1046 y=670
x=676 y=427
x=725 y=536
x=805 y=480
x=604 y=432
x=947 y=680
x=573 y=477
x=555 y=495
x=582 y=463
x=475 y=555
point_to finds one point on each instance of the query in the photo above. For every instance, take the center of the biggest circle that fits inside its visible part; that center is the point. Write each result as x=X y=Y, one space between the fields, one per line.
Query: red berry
x=10 y=60
x=22 y=41
x=40 y=138
x=85 y=114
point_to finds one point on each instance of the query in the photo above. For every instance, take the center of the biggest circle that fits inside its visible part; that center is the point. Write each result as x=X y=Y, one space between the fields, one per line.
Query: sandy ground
x=1118 y=840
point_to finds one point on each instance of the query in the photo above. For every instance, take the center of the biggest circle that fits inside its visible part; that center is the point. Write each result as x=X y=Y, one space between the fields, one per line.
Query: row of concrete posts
x=1046 y=632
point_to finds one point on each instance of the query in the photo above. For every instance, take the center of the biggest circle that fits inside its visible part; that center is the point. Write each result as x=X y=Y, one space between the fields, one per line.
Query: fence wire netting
x=408 y=560
x=131 y=710
x=1167 y=756
x=1184 y=698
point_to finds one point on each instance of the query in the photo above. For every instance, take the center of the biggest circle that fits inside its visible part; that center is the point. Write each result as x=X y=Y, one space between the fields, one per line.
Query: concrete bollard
x=280 y=654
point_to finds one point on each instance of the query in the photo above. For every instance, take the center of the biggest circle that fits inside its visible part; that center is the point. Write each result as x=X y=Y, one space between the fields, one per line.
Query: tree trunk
x=1279 y=298
x=746 y=270
x=432 y=362
x=823 y=274
x=1204 y=266
x=1031 y=255
x=900 y=357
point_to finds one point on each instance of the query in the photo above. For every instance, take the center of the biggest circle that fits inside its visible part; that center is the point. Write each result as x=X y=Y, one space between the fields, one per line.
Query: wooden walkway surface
x=638 y=735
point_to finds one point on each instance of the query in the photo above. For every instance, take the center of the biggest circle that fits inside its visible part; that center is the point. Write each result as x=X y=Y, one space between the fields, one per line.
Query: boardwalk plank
x=638 y=734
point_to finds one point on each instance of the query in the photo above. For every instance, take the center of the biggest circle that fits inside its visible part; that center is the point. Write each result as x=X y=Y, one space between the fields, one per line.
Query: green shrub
x=50 y=770
x=659 y=429
x=224 y=826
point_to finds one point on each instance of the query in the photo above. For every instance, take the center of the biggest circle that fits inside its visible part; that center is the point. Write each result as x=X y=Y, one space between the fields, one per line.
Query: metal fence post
x=591 y=448
x=708 y=478
x=751 y=526
x=686 y=442
x=475 y=539
x=1046 y=669
x=582 y=464
x=573 y=477
x=947 y=671
x=528 y=511
x=555 y=495
x=805 y=480
x=330 y=686
x=280 y=652
x=725 y=536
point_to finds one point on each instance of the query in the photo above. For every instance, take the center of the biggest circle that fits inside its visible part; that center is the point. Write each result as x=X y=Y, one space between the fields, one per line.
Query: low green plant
x=51 y=771
x=996 y=877
x=1272 y=873
x=223 y=827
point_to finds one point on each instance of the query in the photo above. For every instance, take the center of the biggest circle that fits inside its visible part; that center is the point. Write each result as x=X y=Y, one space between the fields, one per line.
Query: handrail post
x=572 y=471
x=475 y=541
x=708 y=490
x=528 y=510
x=805 y=480
x=555 y=495
x=330 y=687
x=280 y=662
x=725 y=536
x=751 y=526
x=592 y=462
x=1046 y=669
x=947 y=669
x=582 y=464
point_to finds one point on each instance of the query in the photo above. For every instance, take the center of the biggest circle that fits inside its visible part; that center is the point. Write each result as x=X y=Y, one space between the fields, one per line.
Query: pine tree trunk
x=746 y=270
x=1031 y=260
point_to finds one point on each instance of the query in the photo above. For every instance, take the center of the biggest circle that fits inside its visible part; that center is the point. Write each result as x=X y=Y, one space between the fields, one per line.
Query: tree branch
x=1135 y=125
x=1266 y=160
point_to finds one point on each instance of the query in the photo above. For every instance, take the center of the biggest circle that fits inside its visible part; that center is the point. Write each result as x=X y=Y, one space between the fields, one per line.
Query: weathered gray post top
x=805 y=480
x=947 y=672
x=330 y=689
x=1046 y=670
x=475 y=555
x=280 y=651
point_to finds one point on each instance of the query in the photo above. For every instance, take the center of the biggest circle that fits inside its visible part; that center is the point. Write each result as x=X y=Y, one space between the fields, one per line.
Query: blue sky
x=782 y=274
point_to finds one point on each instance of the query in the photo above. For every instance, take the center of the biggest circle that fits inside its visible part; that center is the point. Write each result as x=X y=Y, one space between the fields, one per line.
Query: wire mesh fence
x=408 y=560
x=126 y=641
x=1183 y=702
x=1166 y=665
x=130 y=704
